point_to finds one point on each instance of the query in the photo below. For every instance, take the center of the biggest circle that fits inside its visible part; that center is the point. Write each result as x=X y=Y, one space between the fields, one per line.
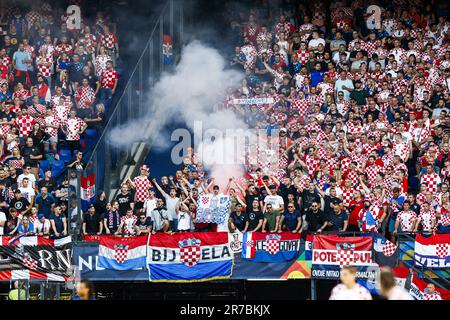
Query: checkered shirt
x=250 y=56
x=426 y=219
x=372 y=173
x=100 y=63
x=108 y=41
x=431 y=180
x=22 y=94
x=85 y=96
x=90 y=40
x=50 y=49
x=312 y=164
x=54 y=121
x=109 y=78
x=407 y=219
x=303 y=56
x=128 y=224
x=74 y=126
x=347 y=196
x=370 y=47
x=25 y=125
x=61 y=111
x=63 y=48
x=32 y=17
x=301 y=106
x=142 y=186
x=285 y=27
x=6 y=61
x=44 y=69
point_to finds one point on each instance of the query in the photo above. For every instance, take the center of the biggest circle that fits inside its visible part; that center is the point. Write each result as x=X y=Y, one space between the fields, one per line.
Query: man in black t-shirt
x=338 y=219
x=125 y=200
x=255 y=217
x=238 y=219
x=309 y=196
x=315 y=218
x=21 y=204
x=48 y=182
x=251 y=195
x=143 y=225
x=92 y=222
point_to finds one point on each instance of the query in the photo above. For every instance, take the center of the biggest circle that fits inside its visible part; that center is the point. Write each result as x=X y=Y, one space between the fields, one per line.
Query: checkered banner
x=212 y=208
x=331 y=253
x=432 y=251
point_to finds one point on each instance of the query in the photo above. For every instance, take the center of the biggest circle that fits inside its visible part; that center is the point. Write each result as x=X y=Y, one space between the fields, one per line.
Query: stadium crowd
x=57 y=79
x=359 y=103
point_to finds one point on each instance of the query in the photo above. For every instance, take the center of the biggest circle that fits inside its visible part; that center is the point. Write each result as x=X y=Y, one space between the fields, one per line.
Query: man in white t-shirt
x=150 y=203
x=171 y=203
x=41 y=225
x=275 y=200
x=27 y=190
x=345 y=85
x=315 y=41
x=349 y=289
x=27 y=174
x=2 y=222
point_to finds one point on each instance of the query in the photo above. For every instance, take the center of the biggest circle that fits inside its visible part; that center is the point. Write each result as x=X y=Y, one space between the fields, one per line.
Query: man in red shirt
x=108 y=84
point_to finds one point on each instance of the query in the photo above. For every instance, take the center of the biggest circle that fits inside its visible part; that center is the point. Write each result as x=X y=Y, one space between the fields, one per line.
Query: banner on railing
x=433 y=251
x=119 y=253
x=250 y=101
x=385 y=253
x=35 y=257
x=189 y=256
x=400 y=273
x=85 y=259
x=331 y=253
x=212 y=208
x=272 y=247
x=419 y=291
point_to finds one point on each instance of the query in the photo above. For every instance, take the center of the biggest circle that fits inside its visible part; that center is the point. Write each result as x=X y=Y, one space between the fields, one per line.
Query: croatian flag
x=119 y=253
x=167 y=49
x=189 y=256
x=432 y=251
x=270 y=247
x=87 y=191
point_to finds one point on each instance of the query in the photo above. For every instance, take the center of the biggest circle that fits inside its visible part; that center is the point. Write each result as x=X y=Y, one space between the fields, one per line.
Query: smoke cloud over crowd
x=187 y=96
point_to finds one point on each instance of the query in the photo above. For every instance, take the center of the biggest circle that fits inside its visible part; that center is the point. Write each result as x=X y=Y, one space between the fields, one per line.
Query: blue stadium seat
x=57 y=167
x=43 y=165
x=64 y=155
x=90 y=135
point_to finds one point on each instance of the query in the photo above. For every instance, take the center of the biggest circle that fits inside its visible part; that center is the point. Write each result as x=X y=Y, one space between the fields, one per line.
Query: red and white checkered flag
x=389 y=248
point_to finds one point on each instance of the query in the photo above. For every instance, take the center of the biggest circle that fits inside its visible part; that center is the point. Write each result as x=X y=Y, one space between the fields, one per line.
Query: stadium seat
x=57 y=168
x=64 y=155
x=44 y=164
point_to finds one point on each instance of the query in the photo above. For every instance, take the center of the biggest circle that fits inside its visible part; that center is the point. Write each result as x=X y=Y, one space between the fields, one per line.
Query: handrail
x=108 y=123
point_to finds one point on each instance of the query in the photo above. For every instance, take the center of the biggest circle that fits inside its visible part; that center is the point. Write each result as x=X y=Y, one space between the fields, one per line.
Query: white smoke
x=188 y=95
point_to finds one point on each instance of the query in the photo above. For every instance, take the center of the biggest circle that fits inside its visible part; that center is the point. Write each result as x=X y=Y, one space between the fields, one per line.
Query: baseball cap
x=40 y=216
